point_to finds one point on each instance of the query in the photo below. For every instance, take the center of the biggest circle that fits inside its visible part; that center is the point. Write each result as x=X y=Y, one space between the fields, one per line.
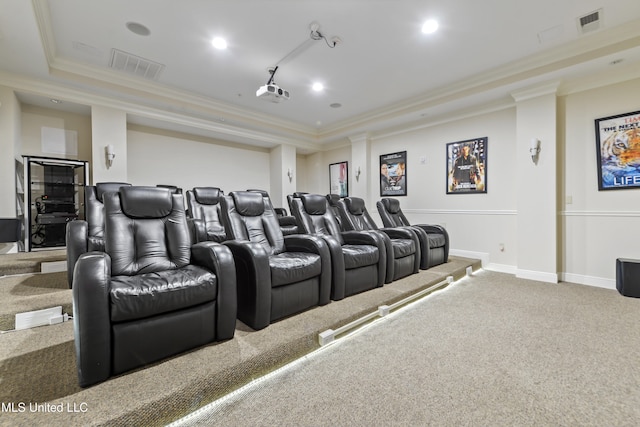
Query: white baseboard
x=482 y=256
x=540 y=276
x=580 y=279
x=501 y=268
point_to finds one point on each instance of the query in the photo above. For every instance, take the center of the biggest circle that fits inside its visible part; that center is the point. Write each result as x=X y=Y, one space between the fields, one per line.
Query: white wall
x=154 y=158
x=598 y=226
x=315 y=168
x=476 y=222
x=35 y=118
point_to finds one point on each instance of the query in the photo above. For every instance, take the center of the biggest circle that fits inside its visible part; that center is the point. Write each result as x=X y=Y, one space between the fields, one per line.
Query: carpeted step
x=29 y=262
x=30 y=292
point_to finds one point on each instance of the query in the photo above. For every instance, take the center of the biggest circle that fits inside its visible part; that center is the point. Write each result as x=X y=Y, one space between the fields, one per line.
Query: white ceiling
x=385 y=73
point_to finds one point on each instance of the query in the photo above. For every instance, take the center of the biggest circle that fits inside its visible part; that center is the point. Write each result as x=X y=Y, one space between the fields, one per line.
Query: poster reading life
x=467 y=166
x=618 y=145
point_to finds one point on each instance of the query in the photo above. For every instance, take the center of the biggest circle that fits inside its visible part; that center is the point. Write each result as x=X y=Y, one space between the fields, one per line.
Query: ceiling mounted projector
x=272 y=92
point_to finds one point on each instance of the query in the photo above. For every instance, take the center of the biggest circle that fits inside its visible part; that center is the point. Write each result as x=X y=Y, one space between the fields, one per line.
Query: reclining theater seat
x=204 y=210
x=434 y=239
x=403 y=247
x=151 y=294
x=358 y=259
x=88 y=235
x=288 y=224
x=277 y=275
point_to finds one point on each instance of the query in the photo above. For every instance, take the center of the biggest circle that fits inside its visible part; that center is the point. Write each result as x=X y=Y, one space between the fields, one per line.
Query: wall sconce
x=358 y=174
x=534 y=149
x=110 y=153
x=290 y=174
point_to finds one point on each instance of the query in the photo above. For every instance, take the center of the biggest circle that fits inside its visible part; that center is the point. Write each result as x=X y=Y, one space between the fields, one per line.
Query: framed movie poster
x=393 y=174
x=339 y=179
x=618 y=148
x=467 y=166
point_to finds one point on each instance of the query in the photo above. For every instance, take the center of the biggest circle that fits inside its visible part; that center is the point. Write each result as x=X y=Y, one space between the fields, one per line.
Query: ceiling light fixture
x=318 y=87
x=219 y=43
x=430 y=26
x=138 y=28
x=271 y=91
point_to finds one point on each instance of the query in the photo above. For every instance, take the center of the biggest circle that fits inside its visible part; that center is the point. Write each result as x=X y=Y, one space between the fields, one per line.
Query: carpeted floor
x=37 y=366
x=490 y=350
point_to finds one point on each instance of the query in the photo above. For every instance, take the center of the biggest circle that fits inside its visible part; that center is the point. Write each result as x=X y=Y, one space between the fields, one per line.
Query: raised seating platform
x=38 y=365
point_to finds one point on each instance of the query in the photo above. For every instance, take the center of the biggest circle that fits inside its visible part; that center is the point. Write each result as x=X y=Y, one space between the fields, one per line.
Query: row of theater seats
x=148 y=282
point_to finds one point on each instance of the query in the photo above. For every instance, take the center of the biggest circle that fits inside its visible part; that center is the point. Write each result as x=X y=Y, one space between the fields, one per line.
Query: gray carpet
x=489 y=351
x=38 y=365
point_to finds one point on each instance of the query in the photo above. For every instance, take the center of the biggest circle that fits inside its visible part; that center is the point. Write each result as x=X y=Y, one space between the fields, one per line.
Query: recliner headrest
x=108 y=187
x=355 y=205
x=391 y=205
x=333 y=199
x=314 y=204
x=299 y=193
x=248 y=203
x=263 y=192
x=146 y=202
x=207 y=195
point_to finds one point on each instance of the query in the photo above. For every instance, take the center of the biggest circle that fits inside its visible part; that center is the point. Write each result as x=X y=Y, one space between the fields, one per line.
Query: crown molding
x=583 y=49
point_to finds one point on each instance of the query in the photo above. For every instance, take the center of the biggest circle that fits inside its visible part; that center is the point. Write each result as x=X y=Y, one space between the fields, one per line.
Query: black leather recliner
x=204 y=211
x=403 y=246
x=288 y=224
x=88 y=235
x=277 y=275
x=434 y=239
x=150 y=294
x=358 y=259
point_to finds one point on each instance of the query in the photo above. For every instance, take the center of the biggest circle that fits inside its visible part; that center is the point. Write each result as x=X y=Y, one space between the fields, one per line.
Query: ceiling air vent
x=132 y=64
x=590 y=22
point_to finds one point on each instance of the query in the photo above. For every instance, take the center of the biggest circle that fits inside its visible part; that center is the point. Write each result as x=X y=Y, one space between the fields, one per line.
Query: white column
x=10 y=120
x=537 y=183
x=360 y=186
x=108 y=128
x=283 y=175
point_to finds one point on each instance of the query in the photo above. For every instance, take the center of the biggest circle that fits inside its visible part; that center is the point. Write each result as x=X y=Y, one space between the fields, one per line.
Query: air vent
x=590 y=22
x=135 y=65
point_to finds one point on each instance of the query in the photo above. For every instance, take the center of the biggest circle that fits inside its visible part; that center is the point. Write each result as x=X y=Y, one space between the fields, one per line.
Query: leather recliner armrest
x=406 y=233
x=374 y=239
x=314 y=244
x=337 y=267
x=253 y=276
x=77 y=241
x=91 y=318
x=218 y=259
x=197 y=230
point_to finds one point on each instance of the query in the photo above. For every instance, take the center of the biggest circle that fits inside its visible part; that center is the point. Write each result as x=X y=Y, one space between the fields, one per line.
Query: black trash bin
x=628 y=277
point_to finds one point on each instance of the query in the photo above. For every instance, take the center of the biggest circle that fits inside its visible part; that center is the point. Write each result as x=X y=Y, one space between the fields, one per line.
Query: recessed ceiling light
x=318 y=87
x=219 y=43
x=138 y=28
x=55 y=101
x=430 y=26
x=335 y=105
